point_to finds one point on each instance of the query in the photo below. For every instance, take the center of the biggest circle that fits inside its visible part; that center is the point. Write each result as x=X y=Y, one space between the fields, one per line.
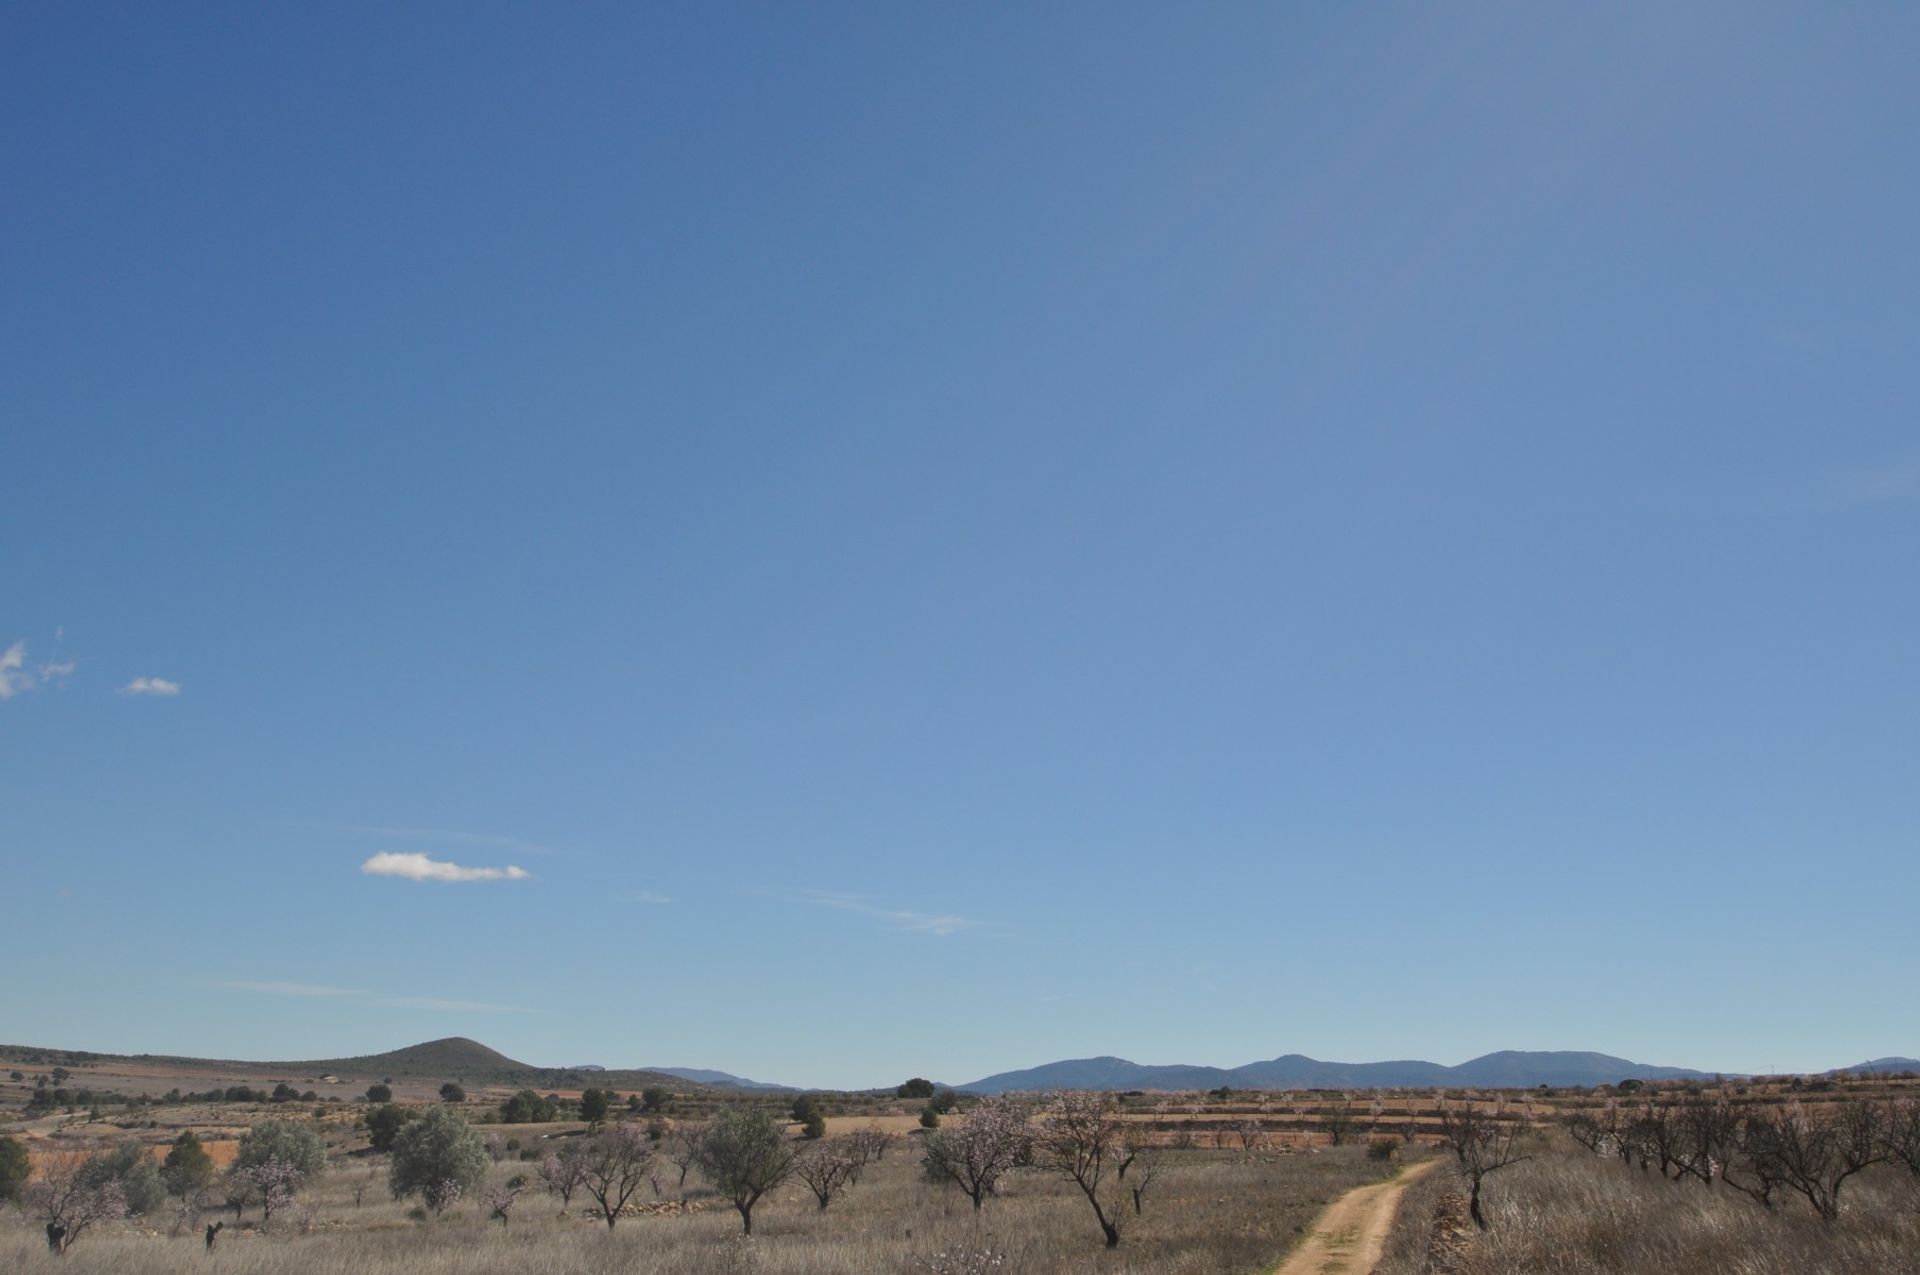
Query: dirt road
x=1348 y=1237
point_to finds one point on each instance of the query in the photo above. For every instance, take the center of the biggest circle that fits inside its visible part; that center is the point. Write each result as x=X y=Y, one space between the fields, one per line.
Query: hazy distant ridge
x=1507 y=1069
x=1881 y=1066
x=719 y=1079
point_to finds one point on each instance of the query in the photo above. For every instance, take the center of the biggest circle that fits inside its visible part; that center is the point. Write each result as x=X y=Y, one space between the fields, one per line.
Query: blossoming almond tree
x=973 y=1154
x=71 y=1200
x=613 y=1165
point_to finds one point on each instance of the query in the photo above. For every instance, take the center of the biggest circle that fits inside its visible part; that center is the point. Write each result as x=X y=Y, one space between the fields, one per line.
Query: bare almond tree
x=828 y=1169
x=976 y=1151
x=1586 y=1129
x=1081 y=1136
x=1751 y=1168
x=681 y=1144
x=1708 y=1137
x=614 y=1163
x=1147 y=1159
x=1483 y=1138
x=1657 y=1129
x=1816 y=1154
x=1900 y=1133
x=867 y=1146
x=1340 y=1119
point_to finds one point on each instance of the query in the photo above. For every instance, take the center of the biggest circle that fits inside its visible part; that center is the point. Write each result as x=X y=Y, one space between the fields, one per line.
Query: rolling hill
x=1881 y=1067
x=451 y=1058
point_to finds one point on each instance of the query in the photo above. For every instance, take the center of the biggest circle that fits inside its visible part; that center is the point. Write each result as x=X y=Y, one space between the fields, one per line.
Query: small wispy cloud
x=14 y=677
x=418 y=867
x=271 y=988
x=649 y=896
x=150 y=686
x=275 y=988
x=942 y=924
x=18 y=677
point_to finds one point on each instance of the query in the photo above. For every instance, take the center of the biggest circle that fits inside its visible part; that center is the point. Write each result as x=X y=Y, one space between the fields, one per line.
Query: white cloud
x=941 y=924
x=14 y=677
x=150 y=686
x=290 y=989
x=418 y=867
x=648 y=896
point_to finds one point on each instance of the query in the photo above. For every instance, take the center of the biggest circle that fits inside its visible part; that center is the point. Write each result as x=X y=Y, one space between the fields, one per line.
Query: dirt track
x=1348 y=1237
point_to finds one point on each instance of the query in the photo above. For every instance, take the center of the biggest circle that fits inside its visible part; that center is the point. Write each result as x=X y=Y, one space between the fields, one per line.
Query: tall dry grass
x=1569 y=1212
x=1214 y=1212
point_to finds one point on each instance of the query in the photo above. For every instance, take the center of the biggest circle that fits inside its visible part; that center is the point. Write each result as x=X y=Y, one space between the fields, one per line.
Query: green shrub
x=384 y=1124
x=131 y=1166
x=435 y=1149
x=293 y=1144
x=188 y=1169
x=13 y=1168
x=594 y=1104
x=528 y=1107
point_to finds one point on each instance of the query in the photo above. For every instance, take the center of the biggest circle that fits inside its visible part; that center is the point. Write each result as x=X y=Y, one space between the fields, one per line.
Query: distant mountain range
x=1882 y=1067
x=469 y=1061
x=718 y=1079
x=1508 y=1069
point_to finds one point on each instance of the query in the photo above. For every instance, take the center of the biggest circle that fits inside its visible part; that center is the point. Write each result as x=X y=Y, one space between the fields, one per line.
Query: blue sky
x=937 y=538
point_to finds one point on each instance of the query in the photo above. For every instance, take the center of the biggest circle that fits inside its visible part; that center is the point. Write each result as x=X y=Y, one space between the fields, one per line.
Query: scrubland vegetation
x=1067 y=1183
x=1774 y=1181
x=1761 y=1177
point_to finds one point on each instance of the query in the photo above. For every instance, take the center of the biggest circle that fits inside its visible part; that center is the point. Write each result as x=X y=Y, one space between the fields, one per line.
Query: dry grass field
x=1249 y=1171
x=1567 y=1211
x=1213 y=1212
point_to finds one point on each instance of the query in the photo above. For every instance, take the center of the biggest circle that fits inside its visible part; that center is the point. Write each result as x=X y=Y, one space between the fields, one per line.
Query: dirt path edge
x=1350 y=1234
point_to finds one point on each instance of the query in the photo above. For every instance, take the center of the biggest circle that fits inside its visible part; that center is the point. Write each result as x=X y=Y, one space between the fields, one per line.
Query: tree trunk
x=1136 y=1201
x=1110 y=1229
x=746 y=1216
x=1473 y=1207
